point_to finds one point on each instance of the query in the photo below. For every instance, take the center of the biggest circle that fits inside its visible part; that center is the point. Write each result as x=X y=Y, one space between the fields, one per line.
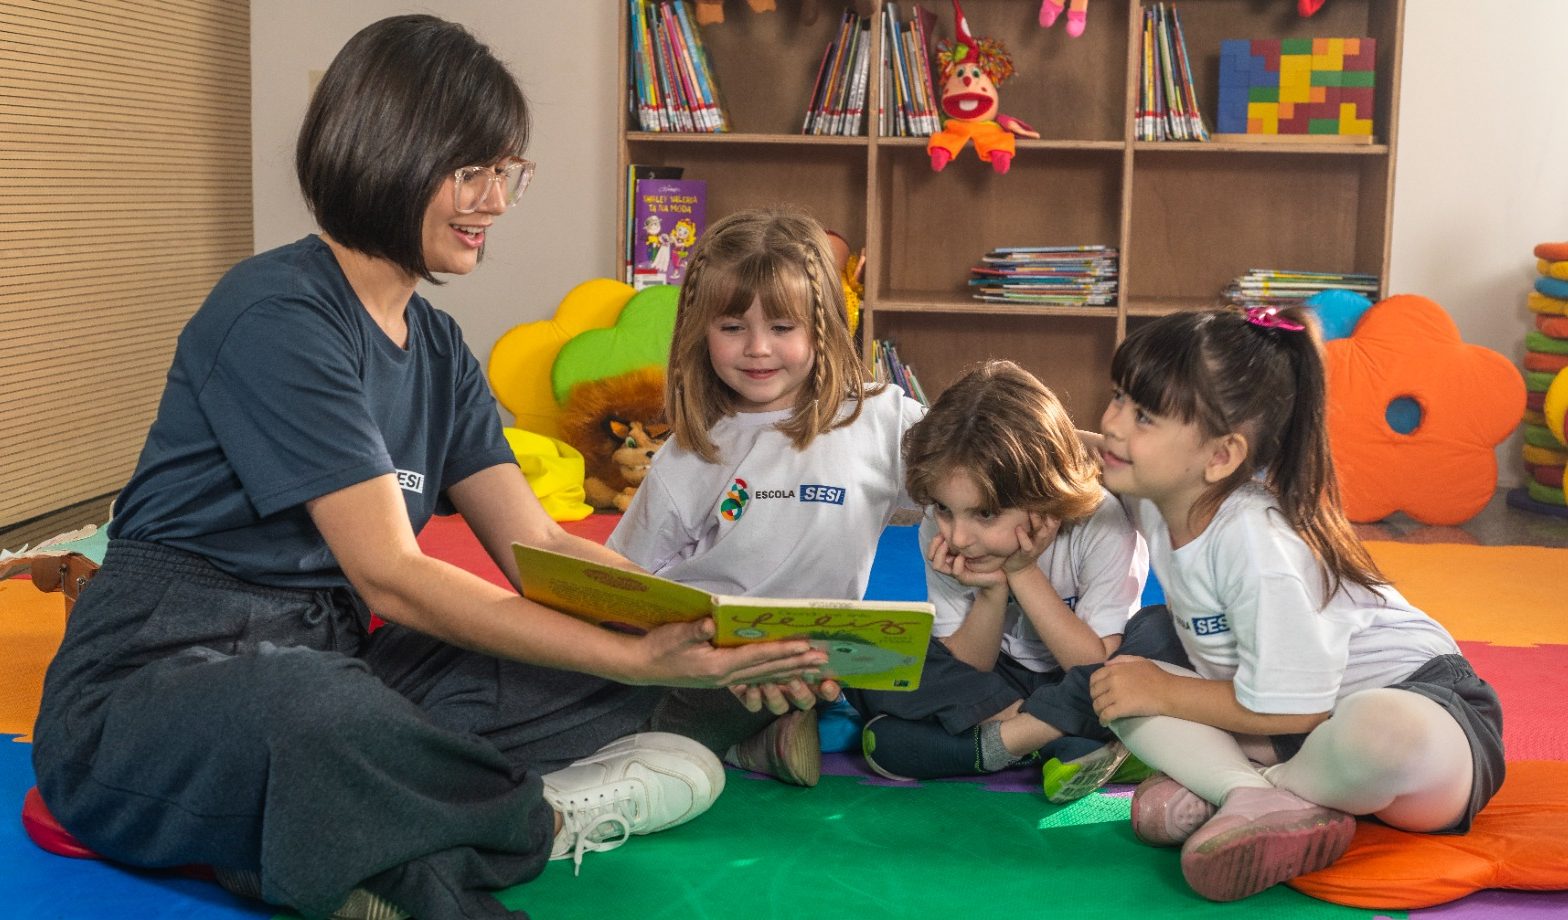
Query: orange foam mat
x=1504 y=595
x=32 y=623
x=1517 y=842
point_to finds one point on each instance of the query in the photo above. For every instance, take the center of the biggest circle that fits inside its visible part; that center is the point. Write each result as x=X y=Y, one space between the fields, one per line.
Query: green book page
x=871 y=645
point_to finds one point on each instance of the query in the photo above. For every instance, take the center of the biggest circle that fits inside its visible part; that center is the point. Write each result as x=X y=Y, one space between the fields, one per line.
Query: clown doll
x=971 y=70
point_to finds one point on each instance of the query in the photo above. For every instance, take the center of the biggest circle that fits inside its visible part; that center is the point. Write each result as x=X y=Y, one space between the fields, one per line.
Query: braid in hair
x=819 y=338
x=687 y=400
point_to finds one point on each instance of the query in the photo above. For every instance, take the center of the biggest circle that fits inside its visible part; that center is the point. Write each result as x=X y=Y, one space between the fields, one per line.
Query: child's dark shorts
x=1451 y=682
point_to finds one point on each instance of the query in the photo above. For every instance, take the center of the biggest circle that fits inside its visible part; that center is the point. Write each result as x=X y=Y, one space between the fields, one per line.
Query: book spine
x=814 y=105
x=667 y=106
x=830 y=92
x=697 y=71
x=930 y=118
x=857 y=78
x=639 y=94
x=1200 y=131
x=901 y=73
x=846 y=66
x=679 y=74
x=1146 y=90
x=652 y=110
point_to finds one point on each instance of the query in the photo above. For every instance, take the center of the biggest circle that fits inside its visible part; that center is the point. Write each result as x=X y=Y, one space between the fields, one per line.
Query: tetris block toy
x=1296 y=86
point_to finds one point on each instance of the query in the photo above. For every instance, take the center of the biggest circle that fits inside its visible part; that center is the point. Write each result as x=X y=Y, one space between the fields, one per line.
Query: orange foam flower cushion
x=1517 y=841
x=1470 y=398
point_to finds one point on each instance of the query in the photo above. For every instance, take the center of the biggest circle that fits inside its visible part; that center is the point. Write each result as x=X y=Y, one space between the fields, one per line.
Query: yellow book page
x=602 y=594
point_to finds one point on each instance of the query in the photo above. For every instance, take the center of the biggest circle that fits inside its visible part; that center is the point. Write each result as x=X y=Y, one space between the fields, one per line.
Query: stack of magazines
x=1269 y=287
x=673 y=82
x=1067 y=276
x=1167 y=100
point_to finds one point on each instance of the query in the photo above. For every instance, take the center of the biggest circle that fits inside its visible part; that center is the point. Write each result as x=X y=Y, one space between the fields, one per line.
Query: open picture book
x=872 y=645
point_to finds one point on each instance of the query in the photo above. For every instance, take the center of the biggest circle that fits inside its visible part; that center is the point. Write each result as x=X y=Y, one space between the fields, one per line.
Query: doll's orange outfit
x=987 y=135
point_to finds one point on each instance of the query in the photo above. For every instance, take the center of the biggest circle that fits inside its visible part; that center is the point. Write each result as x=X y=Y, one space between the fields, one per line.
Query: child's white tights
x=1391 y=753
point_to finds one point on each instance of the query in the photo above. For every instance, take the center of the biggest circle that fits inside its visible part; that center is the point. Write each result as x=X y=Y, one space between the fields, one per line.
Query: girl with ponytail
x=1317 y=692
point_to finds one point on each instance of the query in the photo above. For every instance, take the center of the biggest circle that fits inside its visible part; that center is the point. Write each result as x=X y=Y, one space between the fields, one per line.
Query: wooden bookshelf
x=1187 y=217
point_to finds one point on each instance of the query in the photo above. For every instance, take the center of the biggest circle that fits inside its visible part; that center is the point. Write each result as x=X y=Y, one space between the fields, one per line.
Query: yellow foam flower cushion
x=520 y=363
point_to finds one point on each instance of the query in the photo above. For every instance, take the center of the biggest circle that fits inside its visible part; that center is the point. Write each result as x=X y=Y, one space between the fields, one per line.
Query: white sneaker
x=636 y=785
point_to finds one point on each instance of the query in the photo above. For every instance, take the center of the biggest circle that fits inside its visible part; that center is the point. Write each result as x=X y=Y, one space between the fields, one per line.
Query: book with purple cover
x=668 y=216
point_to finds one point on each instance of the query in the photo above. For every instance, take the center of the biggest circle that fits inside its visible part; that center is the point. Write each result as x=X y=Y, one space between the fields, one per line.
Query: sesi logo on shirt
x=1210 y=625
x=831 y=495
x=410 y=481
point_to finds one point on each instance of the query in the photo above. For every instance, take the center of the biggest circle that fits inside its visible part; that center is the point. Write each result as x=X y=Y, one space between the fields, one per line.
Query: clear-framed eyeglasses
x=471 y=185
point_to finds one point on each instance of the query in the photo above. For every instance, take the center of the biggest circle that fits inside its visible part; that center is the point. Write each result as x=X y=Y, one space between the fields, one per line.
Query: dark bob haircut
x=407 y=102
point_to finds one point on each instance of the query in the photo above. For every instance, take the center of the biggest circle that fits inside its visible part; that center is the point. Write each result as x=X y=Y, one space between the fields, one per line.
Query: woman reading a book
x=218 y=698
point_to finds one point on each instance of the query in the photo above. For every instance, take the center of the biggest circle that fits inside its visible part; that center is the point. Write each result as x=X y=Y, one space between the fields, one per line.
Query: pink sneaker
x=1259 y=838
x=1165 y=813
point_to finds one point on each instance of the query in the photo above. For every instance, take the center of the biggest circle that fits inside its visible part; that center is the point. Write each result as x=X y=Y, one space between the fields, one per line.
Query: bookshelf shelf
x=894 y=303
x=732 y=138
x=1187 y=217
x=1247 y=148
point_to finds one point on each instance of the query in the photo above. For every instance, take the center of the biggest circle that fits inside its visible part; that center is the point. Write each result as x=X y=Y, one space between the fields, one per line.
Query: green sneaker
x=1071 y=781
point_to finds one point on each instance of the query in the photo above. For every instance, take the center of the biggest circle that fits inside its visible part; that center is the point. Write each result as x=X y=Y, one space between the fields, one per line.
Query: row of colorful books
x=909 y=101
x=886 y=367
x=1067 y=276
x=838 y=99
x=1167 y=100
x=1272 y=287
x=673 y=86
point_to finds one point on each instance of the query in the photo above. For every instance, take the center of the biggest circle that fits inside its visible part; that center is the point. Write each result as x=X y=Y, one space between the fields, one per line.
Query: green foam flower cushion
x=639 y=338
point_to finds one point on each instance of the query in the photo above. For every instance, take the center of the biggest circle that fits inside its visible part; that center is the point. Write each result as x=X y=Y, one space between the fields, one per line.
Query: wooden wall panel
x=125 y=192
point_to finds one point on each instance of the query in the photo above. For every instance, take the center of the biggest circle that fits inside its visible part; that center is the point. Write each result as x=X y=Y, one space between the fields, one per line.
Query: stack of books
x=838 y=100
x=1167 y=100
x=886 y=367
x=673 y=88
x=1271 y=287
x=909 y=101
x=1067 y=276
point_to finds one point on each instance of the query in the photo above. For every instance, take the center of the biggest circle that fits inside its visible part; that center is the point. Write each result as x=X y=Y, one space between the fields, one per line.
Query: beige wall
x=564 y=56
x=1479 y=179
x=1479 y=175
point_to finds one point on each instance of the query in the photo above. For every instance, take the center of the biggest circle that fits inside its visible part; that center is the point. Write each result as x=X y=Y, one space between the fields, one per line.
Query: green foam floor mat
x=852 y=848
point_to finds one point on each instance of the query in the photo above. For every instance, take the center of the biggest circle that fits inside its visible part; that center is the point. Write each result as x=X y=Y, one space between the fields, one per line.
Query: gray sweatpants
x=192 y=718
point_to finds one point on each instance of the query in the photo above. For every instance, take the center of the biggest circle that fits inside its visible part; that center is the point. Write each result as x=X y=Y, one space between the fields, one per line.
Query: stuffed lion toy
x=618 y=424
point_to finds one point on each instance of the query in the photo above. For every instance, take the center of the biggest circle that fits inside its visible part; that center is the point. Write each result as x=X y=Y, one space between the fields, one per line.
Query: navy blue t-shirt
x=284 y=389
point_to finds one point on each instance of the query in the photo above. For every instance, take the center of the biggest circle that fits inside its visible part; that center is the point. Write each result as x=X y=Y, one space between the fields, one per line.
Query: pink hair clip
x=1269 y=318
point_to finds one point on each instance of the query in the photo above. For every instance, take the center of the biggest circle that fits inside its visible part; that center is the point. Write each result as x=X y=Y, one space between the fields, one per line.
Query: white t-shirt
x=1247 y=598
x=1098 y=566
x=768 y=520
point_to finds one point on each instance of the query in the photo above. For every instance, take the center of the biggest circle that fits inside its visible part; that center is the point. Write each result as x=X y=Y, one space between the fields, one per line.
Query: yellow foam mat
x=31 y=623
x=1504 y=595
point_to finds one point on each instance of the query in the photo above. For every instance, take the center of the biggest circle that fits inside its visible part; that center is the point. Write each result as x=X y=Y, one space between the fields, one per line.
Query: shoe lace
x=586 y=823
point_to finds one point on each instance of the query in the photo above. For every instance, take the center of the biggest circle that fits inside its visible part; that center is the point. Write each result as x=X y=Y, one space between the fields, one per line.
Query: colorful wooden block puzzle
x=1297 y=86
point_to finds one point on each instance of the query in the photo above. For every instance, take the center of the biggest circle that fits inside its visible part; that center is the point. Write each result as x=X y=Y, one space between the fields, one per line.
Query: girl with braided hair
x=782 y=470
